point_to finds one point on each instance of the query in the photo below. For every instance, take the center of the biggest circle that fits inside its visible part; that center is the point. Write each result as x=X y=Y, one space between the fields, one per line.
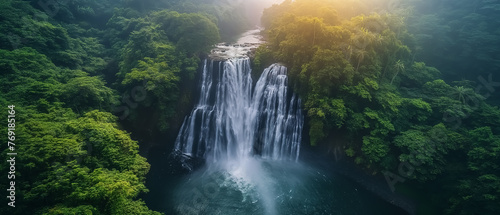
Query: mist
x=254 y=9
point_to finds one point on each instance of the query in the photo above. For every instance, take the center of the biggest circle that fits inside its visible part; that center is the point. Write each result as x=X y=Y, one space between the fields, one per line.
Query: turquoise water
x=262 y=187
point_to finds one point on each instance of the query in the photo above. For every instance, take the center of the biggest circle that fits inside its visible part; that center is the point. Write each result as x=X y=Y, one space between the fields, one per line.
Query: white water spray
x=235 y=123
x=234 y=120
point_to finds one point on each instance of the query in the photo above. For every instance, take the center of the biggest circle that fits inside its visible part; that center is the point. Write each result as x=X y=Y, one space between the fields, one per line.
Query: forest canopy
x=391 y=84
x=78 y=73
x=368 y=90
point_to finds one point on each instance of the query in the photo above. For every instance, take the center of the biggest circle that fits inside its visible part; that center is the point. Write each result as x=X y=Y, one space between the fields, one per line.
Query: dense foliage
x=366 y=92
x=459 y=37
x=71 y=163
x=406 y=92
x=78 y=73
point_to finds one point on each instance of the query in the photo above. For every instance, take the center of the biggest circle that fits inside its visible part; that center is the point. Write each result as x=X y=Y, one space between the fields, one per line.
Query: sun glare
x=254 y=8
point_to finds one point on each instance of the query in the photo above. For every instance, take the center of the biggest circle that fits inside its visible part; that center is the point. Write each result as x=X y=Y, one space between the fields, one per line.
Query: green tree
x=161 y=81
x=191 y=32
x=478 y=190
x=398 y=67
x=77 y=164
x=86 y=92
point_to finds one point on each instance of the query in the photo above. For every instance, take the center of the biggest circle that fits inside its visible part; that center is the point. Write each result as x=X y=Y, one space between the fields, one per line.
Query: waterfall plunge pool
x=245 y=139
x=260 y=186
x=242 y=141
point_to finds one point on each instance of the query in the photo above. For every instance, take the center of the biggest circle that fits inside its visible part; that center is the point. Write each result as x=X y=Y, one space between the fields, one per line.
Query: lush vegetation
x=366 y=92
x=459 y=37
x=407 y=92
x=78 y=73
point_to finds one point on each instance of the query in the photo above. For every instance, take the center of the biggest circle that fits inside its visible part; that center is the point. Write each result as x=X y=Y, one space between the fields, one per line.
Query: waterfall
x=234 y=119
x=241 y=128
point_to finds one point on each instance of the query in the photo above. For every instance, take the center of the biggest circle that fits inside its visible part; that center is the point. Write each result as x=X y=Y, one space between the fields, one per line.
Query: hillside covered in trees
x=406 y=90
x=78 y=73
x=369 y=90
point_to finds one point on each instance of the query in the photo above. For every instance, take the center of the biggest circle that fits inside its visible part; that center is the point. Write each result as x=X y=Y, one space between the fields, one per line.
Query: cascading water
x=234 y=120
x=249 y=134
x=235 y=123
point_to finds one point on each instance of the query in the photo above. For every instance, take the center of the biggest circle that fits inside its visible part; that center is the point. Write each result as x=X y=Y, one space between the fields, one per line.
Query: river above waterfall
x=244 y=46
